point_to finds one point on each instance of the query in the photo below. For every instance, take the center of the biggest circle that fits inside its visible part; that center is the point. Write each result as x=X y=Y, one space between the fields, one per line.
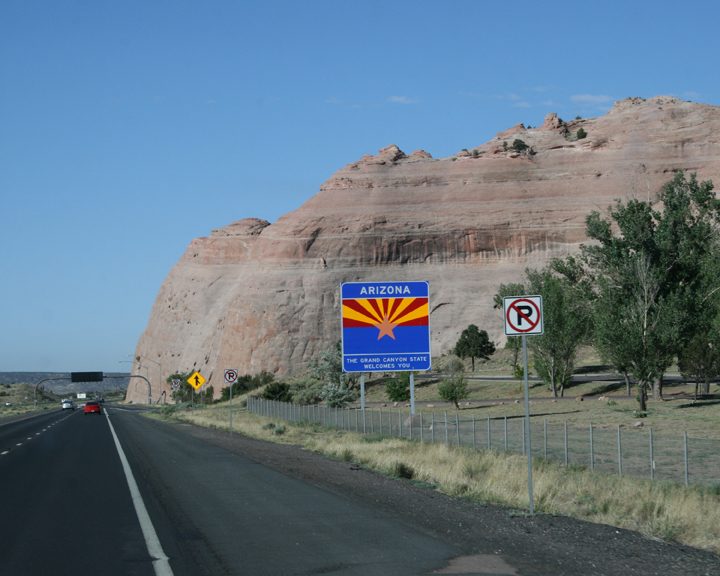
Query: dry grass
x=660 y=510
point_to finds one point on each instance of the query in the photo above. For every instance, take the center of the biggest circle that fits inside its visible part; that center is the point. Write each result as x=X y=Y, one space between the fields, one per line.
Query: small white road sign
x=523 y=315
x=176 y=384
x=231 y=376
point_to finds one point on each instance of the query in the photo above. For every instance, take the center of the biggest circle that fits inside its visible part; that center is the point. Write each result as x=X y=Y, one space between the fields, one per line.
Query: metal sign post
x=196 y=380
x=362 y=391
x=523 y=316
x=231 y=377
x=386 y=328
x=527 y=420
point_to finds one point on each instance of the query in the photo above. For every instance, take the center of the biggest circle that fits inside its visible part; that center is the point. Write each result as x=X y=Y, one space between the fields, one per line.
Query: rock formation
x=258 y=296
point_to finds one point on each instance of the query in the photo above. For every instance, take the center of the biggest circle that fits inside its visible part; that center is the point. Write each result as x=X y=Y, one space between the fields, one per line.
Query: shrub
x=398 y=389
x=278 y=391
x=306 y=390
x=279 y=430
x=578 y=117
x=581 y=134
x=453 y=388
x=336 y=395
x=519 y=145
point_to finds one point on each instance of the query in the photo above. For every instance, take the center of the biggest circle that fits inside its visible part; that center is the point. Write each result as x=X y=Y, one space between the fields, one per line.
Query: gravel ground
x=541 y=545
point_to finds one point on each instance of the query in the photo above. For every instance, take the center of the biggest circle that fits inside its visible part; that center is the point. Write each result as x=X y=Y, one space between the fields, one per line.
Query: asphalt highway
x=66 y=508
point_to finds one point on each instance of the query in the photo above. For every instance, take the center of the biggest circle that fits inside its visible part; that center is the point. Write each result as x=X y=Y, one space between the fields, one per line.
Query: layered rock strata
x=258 y=296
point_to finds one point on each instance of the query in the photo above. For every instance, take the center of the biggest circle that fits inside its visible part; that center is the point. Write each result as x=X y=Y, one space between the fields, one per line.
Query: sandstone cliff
x=259 y=296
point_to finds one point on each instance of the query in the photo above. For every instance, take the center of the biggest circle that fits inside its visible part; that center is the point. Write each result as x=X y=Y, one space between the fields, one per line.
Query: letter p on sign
x=523 y=315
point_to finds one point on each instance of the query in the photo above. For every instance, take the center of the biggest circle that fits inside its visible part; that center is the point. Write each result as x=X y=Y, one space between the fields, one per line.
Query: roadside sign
x=523 y=315
x=385 y=326
x=196 y=380
x=231 y=376
x=176 y=384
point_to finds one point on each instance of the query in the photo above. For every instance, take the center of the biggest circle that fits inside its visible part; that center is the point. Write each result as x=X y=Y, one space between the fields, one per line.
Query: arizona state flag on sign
x=385 y=326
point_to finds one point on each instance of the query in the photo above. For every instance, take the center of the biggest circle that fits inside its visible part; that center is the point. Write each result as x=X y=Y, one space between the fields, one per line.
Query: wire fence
x=602 y=448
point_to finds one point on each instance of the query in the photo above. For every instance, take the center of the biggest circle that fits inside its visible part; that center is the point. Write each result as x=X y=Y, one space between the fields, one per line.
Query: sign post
x=176 y=383
x=231 y=377
x=385 y=328
x=196 y=380
x=524 y=316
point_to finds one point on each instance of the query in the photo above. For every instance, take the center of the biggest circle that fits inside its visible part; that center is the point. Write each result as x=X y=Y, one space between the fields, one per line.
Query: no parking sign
x=523 y=315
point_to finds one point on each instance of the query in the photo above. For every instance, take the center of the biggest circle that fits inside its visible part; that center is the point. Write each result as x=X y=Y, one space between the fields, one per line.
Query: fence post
x=421 y=427
x=356 y=420
x=523 y=436
x=686 y=460
x=446 y=430
x=652 y=458
x=489 y=439
x=411 y=424
x=566 y=446
x=400 y=422
x=372 y=421
x=432 y=427
x=620 y=452
x=506 y=444
x=592 y=450
x=474 y=446
x=457 y=427
x=545 y=435
x=381 y=420
x=364 y=425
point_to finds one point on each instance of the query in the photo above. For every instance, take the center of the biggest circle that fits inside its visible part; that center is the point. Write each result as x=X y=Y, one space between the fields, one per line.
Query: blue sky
x=128 y=128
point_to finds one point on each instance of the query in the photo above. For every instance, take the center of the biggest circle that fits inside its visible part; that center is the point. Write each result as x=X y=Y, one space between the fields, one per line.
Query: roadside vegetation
x=661 y=510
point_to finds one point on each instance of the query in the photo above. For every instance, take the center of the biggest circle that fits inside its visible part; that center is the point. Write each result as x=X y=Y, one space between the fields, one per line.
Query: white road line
x=161 y=561
x=18 y=444
x=3 y=453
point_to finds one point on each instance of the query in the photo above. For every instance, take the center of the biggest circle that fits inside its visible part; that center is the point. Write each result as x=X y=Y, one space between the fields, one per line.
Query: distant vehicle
x=68 y=405
x=8 y=403
x=92 y=407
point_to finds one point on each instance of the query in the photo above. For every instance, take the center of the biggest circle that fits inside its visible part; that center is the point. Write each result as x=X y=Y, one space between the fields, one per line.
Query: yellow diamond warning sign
x=196 y=380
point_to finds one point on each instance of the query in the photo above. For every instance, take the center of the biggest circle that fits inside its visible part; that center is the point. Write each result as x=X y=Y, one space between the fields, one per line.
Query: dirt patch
x=538 y=545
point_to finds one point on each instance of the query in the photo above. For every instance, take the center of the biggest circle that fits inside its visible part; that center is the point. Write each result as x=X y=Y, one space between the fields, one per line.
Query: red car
x=92 y=407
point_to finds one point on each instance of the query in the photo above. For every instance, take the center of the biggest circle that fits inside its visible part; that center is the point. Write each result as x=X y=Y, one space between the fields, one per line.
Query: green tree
x=474 y=343
x=700 y=361
x=657 y=278
x=513 y=343
x=453 y=387
x=327 y=367
x=184 y=393
x=398 y=389
x=566 y=321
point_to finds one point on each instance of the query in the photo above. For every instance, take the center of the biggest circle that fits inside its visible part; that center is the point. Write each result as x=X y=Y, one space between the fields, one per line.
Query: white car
x=68 y=405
